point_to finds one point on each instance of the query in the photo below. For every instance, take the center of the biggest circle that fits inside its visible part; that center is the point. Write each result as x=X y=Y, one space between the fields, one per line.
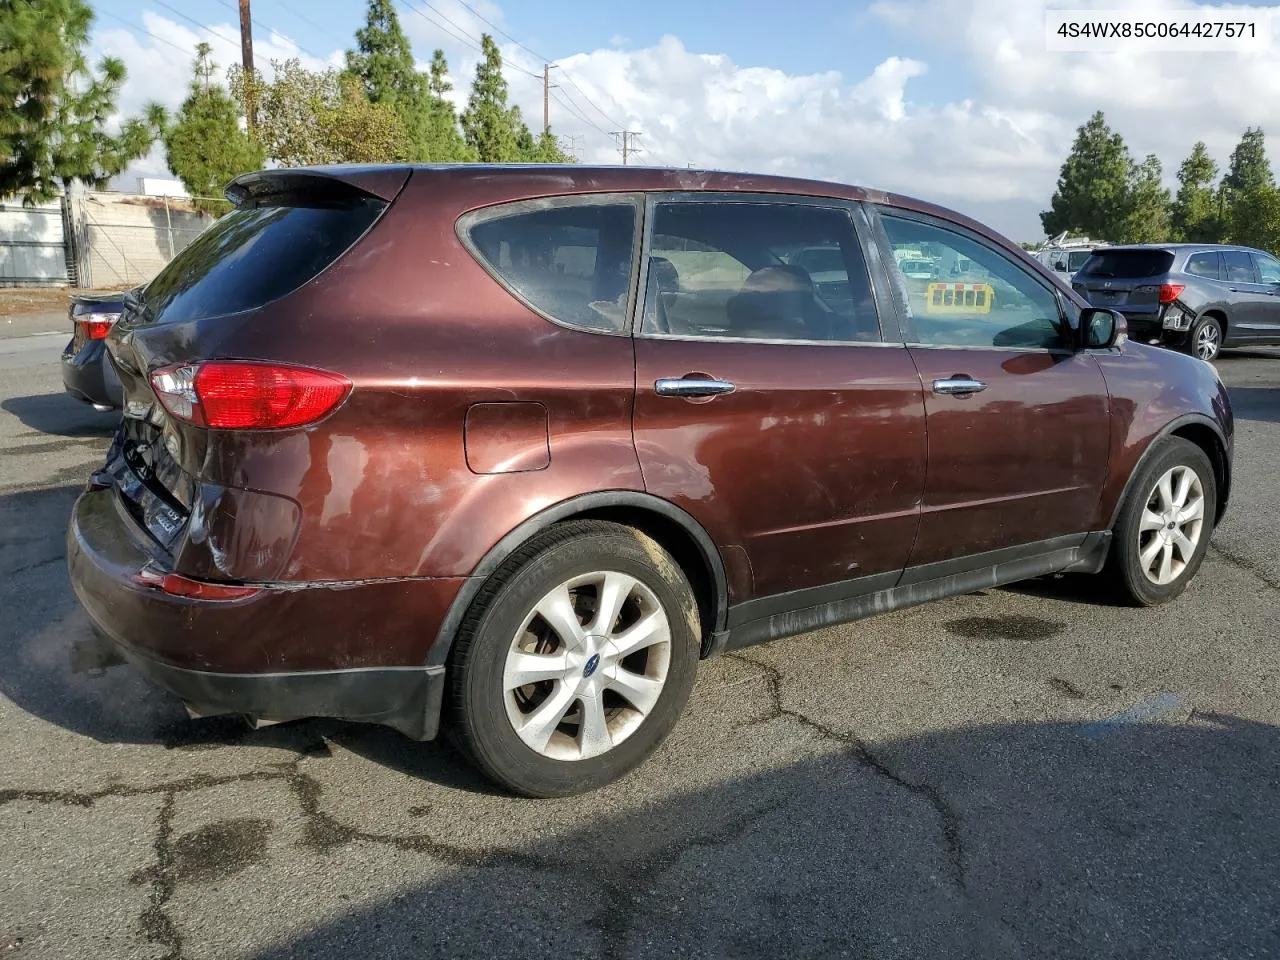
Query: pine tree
x=1093 y=192
x=444 y=141
x=487 y=121
x=1249 y=197
x=206 y=146
x=1194 y=216
x=54 y=107
x=1148 y=204
x=383 y=63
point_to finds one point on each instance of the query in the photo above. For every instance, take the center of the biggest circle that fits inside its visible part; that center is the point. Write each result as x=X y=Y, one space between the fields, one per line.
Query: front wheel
x=1163 y=531
x=1205 y=339
x=575 y=661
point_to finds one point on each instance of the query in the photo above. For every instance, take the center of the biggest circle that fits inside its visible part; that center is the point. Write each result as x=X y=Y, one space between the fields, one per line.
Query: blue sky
x=957 y=101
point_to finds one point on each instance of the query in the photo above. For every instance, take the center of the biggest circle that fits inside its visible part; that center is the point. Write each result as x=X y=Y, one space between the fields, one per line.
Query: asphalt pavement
x=1022 y=772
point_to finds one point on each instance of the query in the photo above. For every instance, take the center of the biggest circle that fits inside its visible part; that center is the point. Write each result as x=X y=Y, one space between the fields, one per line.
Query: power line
x=307 y=20
x=144 y=30
x=538 y=56
x=234 y=41
x=467 y=39
x=270 y=30
x=576 y=112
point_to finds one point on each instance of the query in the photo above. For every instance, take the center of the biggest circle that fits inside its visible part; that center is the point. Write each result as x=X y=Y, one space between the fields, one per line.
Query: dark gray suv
x=1199 y=297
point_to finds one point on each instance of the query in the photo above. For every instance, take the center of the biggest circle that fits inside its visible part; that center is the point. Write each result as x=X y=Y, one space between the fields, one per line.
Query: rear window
x=1127 y=264
x=571 y=261
x=257 y=254
x=1203 y=265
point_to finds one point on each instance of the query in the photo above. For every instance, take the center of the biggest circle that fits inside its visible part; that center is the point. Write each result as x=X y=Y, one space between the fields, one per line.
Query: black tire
x=1125 y=568
x=477 y=708
x=1209 y=330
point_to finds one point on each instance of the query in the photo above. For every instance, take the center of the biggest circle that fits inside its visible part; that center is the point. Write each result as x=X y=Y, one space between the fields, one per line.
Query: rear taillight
x=96 y=326
x=248 y=395
x=1170 y=292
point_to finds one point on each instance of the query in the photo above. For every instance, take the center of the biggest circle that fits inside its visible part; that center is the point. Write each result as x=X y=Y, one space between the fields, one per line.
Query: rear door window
x=571 y=258
x=257 y=254
x=1128 y=264
x=1239 y=266
x=1203 y=265
x=1268 y=268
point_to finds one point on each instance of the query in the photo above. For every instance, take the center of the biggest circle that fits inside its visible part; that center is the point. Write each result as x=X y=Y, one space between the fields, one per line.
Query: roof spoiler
x=381 y=182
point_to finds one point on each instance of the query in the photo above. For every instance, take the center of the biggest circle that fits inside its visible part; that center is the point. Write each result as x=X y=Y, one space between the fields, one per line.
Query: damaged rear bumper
x=262 y=656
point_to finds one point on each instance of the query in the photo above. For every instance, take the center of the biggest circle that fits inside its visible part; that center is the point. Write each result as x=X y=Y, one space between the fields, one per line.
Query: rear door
x=1018 y=419
x=1251 y=302
x=768 y=403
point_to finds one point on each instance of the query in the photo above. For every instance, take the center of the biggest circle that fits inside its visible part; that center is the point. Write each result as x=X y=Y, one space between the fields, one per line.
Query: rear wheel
x=1205 y=340
x=1165 y=523
x=575 y=661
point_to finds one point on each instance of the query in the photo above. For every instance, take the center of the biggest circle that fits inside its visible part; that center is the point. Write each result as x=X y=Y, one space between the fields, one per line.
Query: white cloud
x=995 y=153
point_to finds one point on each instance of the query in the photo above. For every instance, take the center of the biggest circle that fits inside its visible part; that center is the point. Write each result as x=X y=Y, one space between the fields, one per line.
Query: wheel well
x=680 y=544
x=1204 y=438
x=1221 y=317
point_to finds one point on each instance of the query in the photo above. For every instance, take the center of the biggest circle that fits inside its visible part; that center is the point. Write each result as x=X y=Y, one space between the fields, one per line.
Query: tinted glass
x=978 y=296
x=1203 y=265
x=1127 y=264
x=253 y=256
x=765 y=271
x=1268 y=268
x=1077 y=259
x=571 y=262
x=1239 y=266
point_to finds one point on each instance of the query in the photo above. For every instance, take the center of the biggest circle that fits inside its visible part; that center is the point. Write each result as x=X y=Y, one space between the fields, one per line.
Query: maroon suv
x=513 y=448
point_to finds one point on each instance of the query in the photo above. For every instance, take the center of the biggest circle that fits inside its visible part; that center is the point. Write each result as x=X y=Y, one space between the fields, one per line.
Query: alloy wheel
x=587 y=665
x=1207 y=342
x=1171 y=526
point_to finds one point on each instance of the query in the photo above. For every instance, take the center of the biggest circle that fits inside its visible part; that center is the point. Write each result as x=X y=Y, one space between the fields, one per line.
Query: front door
x=1251 y=301
x=1269 y=314
x=1017 y=418
x=767 y=404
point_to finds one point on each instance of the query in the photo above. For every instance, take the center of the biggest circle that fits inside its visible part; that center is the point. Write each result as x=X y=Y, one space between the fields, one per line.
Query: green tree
x=1093 y=192
x=1250 y=202
x=444 y=141
x=55 y=108
x=206 y=147
x=383 y=63
x=1147 y=217
x=488 y=123
x=1194 y=214
x=307 y=118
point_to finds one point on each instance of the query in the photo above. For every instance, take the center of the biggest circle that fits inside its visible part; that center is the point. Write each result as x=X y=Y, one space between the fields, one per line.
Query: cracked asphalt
x=1020 y=772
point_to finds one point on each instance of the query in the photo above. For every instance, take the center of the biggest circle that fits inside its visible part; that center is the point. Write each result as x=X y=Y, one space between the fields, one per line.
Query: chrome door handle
x=691 y=387
x=958 y=386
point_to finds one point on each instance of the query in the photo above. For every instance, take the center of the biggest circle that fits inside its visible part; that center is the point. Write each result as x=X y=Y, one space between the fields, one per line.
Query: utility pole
x=627 y=139
x=246 y=54
x=547 y=87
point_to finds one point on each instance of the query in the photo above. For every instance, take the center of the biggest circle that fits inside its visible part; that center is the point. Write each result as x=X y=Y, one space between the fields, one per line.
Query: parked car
x=465 y=444
x=1197 y=297
x=85 y=374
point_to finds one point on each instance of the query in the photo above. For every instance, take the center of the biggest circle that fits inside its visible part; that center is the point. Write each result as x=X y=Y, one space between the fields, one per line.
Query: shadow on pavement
x=1256 y=403
x=1116 y=839
x=61 y=415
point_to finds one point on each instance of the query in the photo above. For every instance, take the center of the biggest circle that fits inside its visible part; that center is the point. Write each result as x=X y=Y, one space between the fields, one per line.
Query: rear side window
x=1203 y=265
x=257 y=254
x=1128 y=264
x=570 y=261
x=1239 y=266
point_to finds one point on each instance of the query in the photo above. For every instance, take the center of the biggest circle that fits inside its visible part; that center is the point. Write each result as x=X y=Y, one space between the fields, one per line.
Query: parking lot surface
x=1021 y=772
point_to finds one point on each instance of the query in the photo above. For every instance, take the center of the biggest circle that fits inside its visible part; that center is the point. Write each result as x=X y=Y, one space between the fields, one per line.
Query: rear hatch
x=287 y=228
x=1123 y=279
